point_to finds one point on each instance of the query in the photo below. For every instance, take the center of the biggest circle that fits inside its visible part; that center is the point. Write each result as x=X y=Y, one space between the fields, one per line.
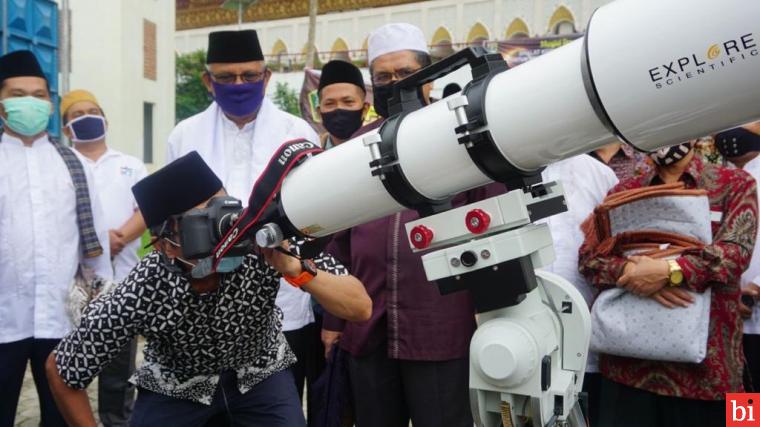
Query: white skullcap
x=393 y=38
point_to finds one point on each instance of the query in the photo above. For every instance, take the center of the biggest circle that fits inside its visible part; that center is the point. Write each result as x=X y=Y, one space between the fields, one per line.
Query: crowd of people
x=357 y=330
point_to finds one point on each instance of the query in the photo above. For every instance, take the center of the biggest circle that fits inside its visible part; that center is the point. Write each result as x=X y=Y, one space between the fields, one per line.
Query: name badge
x=716 y=216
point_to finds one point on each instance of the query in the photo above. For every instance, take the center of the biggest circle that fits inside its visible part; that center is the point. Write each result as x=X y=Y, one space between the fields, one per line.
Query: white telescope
x=651 y=73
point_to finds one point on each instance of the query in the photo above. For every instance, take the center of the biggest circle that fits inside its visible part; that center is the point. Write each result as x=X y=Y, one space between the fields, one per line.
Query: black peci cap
x=233 y=46
x=176 y=188
x=20 y=63
x=337 y=71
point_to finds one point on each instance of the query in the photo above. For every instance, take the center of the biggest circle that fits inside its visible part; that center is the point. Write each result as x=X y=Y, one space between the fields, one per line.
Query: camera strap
x=266 y=188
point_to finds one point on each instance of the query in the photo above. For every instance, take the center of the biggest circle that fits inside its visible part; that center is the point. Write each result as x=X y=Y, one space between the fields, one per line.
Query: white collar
x=9 y=139
x=109 y=153
x=230 y=125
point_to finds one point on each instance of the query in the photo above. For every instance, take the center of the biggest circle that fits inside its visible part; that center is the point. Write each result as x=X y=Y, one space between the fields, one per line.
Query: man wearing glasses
x=409 y=361
x=236 y=136
x=395 y=52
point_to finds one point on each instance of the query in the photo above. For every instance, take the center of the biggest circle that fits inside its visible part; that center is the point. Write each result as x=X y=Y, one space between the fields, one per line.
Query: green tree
x=191 y=95
x=287 y=99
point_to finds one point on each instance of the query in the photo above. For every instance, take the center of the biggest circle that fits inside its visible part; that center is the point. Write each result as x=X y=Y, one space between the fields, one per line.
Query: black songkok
x=337 y=71
x=176 y=188
x=233 y=46
x=21 y=63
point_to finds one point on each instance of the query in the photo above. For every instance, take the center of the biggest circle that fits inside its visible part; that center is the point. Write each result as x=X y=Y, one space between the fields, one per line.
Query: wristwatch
x=308 y=272
x=675 y=275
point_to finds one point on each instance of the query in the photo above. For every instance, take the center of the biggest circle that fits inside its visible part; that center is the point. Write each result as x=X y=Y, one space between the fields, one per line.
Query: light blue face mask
x=226 y=265
x=27 y=115
x=204 y=267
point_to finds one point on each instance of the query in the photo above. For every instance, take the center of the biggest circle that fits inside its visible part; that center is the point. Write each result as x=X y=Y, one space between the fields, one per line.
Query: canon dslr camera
x=203 y=229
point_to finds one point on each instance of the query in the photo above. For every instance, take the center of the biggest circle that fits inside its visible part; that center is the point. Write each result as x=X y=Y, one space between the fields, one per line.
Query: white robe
x=586 y=182
x=115 y=173
x=39 y=240
x=210 y=134
x=205 y=133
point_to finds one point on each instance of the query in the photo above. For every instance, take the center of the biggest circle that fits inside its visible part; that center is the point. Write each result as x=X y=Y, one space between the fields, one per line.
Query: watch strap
x=308 y=272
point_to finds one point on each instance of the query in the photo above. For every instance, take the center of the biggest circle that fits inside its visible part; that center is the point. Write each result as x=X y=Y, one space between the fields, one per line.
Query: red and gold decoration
x=209 y=13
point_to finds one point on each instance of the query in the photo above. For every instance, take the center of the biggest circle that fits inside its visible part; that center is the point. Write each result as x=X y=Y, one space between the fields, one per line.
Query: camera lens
x=468 y=258
x=226 y=222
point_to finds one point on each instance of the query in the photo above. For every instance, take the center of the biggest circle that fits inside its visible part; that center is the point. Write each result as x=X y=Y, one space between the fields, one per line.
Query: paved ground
x=28 y=411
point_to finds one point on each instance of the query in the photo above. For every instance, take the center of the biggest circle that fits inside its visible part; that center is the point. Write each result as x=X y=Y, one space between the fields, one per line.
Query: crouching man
x=214 y=346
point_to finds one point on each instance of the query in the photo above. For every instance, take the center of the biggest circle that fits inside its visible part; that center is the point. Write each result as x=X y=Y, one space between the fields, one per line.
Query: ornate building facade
x=343 y=25
x=208 y=13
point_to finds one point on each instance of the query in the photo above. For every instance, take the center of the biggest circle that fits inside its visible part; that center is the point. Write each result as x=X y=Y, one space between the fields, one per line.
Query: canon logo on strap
x=294 y=148
x=285 y=158
x=228 y=239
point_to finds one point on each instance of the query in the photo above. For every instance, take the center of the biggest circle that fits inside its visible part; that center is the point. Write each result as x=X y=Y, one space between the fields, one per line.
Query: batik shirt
x=719 y=266
x=628 y=163
x=191 y=337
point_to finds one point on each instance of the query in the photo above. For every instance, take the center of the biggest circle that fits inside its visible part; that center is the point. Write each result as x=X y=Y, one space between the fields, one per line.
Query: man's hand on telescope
x=284 y=264
x=644 y=276
x=343 y=296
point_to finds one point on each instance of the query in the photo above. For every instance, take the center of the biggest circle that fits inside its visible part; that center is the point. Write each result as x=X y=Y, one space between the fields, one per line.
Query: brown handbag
x=597 y=229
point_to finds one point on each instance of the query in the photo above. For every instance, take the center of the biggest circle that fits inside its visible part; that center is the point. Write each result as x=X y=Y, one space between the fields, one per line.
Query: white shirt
x=238 y=151
x=39 y=240
x=115 y=173
x=586 y=182
x=752 y=274
x=238 y=157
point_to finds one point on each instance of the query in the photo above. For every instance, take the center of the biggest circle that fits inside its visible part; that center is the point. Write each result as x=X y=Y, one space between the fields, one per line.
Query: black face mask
x=668 y=156
x=381 y=97
x=342 y=123
x=737 y=142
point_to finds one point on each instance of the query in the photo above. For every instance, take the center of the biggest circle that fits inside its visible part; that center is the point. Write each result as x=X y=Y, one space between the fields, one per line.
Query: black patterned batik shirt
x=190 y=338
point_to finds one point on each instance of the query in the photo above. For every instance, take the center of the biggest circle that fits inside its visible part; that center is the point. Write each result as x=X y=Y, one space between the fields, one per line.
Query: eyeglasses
x=230 y=78
x=384 y=78
x=165 y=231
x=165 y=234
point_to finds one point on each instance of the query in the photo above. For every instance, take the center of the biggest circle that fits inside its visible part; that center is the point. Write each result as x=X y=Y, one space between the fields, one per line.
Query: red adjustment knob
x=477 y=221
x=421 y=237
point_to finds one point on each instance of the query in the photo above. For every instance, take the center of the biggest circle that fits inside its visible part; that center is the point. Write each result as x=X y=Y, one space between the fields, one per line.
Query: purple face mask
x=239 y=100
